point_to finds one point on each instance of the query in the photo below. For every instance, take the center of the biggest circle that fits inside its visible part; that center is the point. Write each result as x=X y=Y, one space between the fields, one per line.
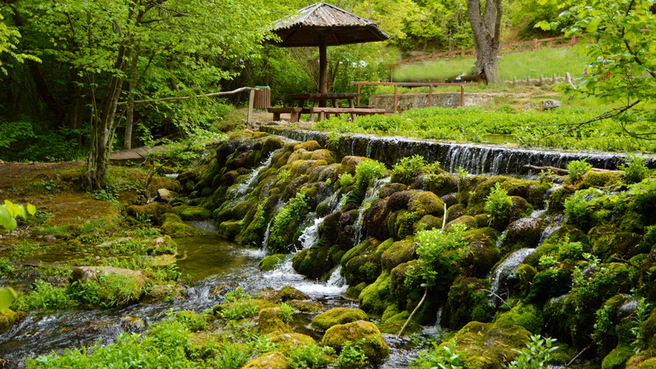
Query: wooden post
x=430 y=96
x=396 y=98
x=323 y=65
x=251 y=98
x=462 y=96
x=462 y=54
x=573 y=39
x=358 y=94
x=535 y=44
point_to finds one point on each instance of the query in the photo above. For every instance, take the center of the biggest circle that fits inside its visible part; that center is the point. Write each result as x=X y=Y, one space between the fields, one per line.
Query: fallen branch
x=196 y=96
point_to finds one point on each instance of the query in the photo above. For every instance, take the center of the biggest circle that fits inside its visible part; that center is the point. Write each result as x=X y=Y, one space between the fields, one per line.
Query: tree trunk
x=130 y=113
x=486 y=31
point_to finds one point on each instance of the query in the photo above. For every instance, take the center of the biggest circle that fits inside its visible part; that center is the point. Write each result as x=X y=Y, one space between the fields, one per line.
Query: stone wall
x=420 y=100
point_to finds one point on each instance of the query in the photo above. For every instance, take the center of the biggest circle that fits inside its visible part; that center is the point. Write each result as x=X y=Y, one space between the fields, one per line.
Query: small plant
x=192 y=320
x=635 y=169
x=5 y=266
x=44 y=296
x=10 y=211
x=328 y=182
x=603 y=324
x=408 y=168
x=536 y=353
x=294 y=209
x=345 y=180
x=23 y=249
x=498 y=204
x=368 y=170
x=590 y=282
x=569 y=250
x=435 y=167
x=576 y=167
x=352 y=356
x=461 y=174
x=310 y=356
x=286 y=312
x=237 y=305
x=283 y=175
x=638 y=329
x=144 y=218
x=109 y=194
x=440 y=357
x=333 y=141
x=576 y=209
x=547 y=262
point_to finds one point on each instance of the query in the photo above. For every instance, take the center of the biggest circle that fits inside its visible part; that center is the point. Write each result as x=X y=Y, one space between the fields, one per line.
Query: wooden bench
x=323 y=112
x=295 y=113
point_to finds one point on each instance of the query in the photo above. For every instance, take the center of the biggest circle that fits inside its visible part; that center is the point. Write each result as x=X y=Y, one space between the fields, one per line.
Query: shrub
x=407 y=168
x=635 y=169
x=237 y=305
x=576 y=209
x=44 y=296
x=535 y=355
x=310 y=356
x=295 y=208
x=368 y=170
x=286 y=312
x=111 y=290
x=5 y=266
x=576 y=167
x=345 y=180
x=192 y=320
x=498 y=204
x=442 y=357
x=431 y=244
x=569 y=250
x=352 y=356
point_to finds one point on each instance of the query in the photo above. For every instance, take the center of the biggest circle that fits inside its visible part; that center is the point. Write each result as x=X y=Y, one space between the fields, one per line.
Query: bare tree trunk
x=130 y=113
x=486 y=31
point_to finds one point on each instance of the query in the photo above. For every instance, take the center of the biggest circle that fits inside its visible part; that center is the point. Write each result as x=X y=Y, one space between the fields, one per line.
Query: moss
x=599 y=179
x=173 y=226
x=349 y=163
x=270 y=262
x=426 y=203
x=397 y=253
x=519 y=282
x=617 y=358
x=394 y=323
x=390 y=189
x=427 y=222
x=401 y=224
x=465 y=302
x=187 y=212
x=338 y=315
x=305 y=306
x=353 y=292
x=314 y=262
x=523 y=233
x=525 y=315
x=269 y=322
x=287 y=341
x=549 y=284
x=164 y=182
x=455 y=212
x=443 y=184
x=288 y=293
x=364 y=264
x=483 y=253
x=270 y=360
x=230 y=229
x=376 y=297
x=154 y=211
x=468 y=220
x=373 y=345
x=607 y=241
x=8 y=318
x=557 y=199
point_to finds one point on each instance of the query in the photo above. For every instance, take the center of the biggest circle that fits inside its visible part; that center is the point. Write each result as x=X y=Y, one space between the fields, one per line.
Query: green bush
x=352 y=356
x=576 y=167
x=111 y=290
x=345 y=180
x=286 y=312
x=408 y=168
x=498 y=204
x=192 y=320
x=536 y=354
x=635 y=169
x=576 y=209
x=442 y=357
x=368 y=170
x=44 y=296
x=310 y=356
x=237 y=305
x=432 y=243
x=294 y=209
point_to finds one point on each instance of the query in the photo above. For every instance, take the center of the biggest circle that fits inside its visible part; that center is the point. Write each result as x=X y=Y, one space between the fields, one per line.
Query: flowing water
x=503 y=270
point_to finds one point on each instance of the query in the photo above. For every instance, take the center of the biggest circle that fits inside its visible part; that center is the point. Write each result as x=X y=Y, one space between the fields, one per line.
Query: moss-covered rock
x=426 y=223
x=524 y=233
x=390 y=189
x=305 y=306
x=617 y=358
x=174 y=227
x=270 y=360
x=269 y=322
x=364 y=333
x=362 y=263
x=349 y=163
x=425 y=203
x=394 y=323
x=527 y=316
x=288 y=293
x=595 y=178
x=187 y=212
x=401 y=223
x=313 y=262
x=455 y=212
x=483 y=253
x=608 y=241
x=468 y=220
x=375 y=220
x=287 y=341
x=376 y=297
x=270 y=262
x=230 y=229
x=164 y=182
x=397 y=253
x=153 y=211
x=467 y=301
x=338 y=315
x=8 y=318
x=442 y=184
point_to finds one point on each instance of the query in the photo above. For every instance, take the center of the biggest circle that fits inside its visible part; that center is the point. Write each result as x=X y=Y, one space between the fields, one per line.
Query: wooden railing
x=415 y=84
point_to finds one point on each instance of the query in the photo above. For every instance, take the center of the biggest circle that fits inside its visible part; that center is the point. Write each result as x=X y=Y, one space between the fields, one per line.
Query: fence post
x=573 y=39
x=251 y=99
x=396 y=98
x=535 y=44
x=462 y=96
x=430 y=96
x=358 y=94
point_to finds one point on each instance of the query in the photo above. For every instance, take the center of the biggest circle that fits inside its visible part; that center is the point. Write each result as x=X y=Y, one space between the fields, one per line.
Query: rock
x=162 y=245
x=338 y=315
x=153 y=211
x=550 y=104
x=270 y=262
x=84 y=273
x=287 y=341
x=524 y=233
x=270 y=360
x=131 y=323
x=427 y=203
x=305 y=306
x=162 y=292
x=269 y=322
x=525 y=315
x=373 y=346
x=174 y=226
x=290 y=293
x=165 y=195
x=188 y=212
x=528 y=106
x=8 y=317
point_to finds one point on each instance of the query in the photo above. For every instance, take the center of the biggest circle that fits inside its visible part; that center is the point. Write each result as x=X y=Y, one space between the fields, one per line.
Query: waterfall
x=503 y=270
x=238 y=193
x=369 y=198
x=310 y=235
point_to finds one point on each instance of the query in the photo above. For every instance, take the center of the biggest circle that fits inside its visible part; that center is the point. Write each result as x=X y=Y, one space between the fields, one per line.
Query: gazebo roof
x=339 y=26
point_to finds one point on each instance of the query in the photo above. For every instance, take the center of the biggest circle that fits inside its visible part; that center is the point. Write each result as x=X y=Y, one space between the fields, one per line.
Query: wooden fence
x=504 y=49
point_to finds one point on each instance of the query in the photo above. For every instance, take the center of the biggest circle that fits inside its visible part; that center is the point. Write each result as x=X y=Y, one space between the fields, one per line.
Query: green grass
x=532 y=64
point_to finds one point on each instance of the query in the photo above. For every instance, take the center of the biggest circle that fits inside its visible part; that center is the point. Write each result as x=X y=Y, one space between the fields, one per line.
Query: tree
x=618 y=37
x=8 y=40
x=173 y=45
x=486 y=31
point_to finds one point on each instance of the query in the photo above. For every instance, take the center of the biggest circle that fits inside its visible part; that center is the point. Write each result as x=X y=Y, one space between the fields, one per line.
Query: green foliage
x=590 y=282
x=408 y=168
x=576 y=209
x=310 y=356
x=44 y=296
x=191 y=320
x=547 y=262
x=108 y=194
x=10 y=211
x=23 y=249
x=294 y=209
x=569 y=250
x=283 y=176
x=635 y=169
x=531 y=128
x=498 y=204
x=238 y=305
x=111 y=290
x=536 y=354
x=231 y=356
x=642 y=313
x=5 y=266
x=368 y=170
x=286 y=312
x=432 y=244
x=440 y=357
x=576 y=167
x=333 y=141
x=345 y=180
x=352 y=356
x=603 y=324
x=8 y=44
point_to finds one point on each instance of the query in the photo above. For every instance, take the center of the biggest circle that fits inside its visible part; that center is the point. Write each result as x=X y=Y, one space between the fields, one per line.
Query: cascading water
x=369 y=198
x=503 y=270
x=238 y=193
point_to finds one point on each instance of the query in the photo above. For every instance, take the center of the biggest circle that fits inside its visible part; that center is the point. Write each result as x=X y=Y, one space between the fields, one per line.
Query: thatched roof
x=339 y=26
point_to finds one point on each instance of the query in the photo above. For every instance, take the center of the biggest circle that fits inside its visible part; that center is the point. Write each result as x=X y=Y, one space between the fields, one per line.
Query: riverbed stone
x=467 y=301
x=467 y=220
x=426 y=202
x=270 y=262
x=288 y=341
x=287 y=293
x=376 y=297
x=269 y=360
x=338 y=315
x=373 y=345
x=399 y=252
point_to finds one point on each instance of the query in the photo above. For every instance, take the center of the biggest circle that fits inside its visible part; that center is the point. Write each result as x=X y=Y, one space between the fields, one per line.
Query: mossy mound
x=376 y=297
x=230 y=229
x=305 y=306
x=174 y=227
x=595 y=178
x=524 y=233
x=363 y=262
x=8 y=318
x=314 y=262
x=468 y=220
x=483 y=253
x=269 y=322
x=373 y=345
x=394 y=323
x=397 y=253
x=270 y=262
x=153 y=211
x=164 y=182
x=426 y=203
x=288 y=341
x=608 y=241
x=338 y=315
x=467 y=301
x=270 y=360
x=288 y=293
x=527 y=316
x=187 y=212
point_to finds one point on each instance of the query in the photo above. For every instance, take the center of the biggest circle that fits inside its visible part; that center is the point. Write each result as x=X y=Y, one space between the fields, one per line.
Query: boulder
x=269 y=322
x=165 y=195
x=373 y=345
x=270 y=360
x=550 y=104
x=338 y=315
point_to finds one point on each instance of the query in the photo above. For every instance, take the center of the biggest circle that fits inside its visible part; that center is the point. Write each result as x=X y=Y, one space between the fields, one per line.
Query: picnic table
x=319 y=101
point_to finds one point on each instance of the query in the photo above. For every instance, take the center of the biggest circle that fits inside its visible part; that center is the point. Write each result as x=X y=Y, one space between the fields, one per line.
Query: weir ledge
x=474 y=158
